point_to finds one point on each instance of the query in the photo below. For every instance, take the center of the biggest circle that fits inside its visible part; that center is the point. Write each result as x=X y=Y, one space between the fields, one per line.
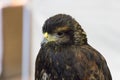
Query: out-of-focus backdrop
x=21 y=24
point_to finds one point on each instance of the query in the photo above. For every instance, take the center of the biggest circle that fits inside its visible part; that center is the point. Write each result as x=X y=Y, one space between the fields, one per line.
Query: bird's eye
x=60 y=34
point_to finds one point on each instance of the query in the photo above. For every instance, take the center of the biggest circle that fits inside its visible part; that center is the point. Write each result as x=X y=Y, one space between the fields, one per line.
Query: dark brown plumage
x=66 y=55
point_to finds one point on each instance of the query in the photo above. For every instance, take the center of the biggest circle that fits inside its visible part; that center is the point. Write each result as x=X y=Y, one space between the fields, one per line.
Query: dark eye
x=60 y=34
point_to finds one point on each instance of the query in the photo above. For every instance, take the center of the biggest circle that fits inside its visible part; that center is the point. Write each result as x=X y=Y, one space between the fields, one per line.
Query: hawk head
x=63 y=29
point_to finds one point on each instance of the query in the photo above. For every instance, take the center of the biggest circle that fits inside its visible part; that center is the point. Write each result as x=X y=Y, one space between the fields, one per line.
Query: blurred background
x=21 y=24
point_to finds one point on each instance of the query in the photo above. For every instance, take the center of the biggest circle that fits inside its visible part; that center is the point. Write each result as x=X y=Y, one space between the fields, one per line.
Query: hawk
x=66 y=55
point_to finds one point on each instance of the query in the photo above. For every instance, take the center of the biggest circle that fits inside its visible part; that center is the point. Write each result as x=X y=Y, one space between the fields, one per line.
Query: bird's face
x=63 y=29
x=60 y=35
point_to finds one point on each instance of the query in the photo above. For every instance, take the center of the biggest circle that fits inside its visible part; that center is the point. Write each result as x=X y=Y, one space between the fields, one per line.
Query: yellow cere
x=45 y=34
x=49 y=37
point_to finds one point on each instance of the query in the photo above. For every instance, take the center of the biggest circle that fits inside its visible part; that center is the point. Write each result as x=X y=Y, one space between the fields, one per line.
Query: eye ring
x=60 y=34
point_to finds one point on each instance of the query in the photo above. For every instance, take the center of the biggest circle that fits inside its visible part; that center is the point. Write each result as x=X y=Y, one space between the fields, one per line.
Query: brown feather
x=71 y=59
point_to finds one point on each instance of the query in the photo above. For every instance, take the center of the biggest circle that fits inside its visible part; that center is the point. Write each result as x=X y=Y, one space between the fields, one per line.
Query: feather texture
x=68 y=57
x=71 y=63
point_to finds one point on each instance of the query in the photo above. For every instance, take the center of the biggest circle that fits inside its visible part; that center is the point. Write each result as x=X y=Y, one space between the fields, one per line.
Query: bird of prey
x=66 y=55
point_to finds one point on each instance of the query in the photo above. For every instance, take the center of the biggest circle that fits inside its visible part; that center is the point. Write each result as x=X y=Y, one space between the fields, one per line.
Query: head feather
x=61 y=22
